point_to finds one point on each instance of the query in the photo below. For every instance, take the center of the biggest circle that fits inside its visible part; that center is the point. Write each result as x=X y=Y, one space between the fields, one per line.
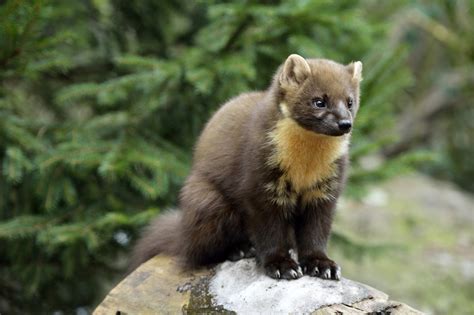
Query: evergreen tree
x=101 y=102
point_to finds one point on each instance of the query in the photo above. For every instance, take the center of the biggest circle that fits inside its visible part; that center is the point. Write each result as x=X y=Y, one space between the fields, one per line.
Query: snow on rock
x=243 y=287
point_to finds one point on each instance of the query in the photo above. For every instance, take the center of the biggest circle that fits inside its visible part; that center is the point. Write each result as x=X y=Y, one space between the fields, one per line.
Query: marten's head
x=320 y=95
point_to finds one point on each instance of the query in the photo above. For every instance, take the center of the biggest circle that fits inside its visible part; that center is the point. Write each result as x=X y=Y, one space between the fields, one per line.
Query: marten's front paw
x=321 y=267
x=283 y=268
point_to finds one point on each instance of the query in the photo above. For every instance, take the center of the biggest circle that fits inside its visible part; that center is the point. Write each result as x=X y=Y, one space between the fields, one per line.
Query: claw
x=326 y=274
x=277 y=274
x=299 y=271
x=337 y=273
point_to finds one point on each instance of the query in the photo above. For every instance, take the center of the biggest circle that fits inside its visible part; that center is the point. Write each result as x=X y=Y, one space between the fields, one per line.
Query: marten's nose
x=344 y=125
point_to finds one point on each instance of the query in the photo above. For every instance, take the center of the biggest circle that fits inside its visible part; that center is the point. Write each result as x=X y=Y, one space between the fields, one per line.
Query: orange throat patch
x=304 y=156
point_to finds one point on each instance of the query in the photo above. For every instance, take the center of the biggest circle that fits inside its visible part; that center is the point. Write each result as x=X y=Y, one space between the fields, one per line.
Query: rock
x=159 y=287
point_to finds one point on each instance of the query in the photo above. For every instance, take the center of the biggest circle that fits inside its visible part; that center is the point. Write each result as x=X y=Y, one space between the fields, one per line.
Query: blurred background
x=102 y=100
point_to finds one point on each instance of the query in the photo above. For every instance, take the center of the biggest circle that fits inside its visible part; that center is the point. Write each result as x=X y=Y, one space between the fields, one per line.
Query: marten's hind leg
x=242 y=250
x=212 y=228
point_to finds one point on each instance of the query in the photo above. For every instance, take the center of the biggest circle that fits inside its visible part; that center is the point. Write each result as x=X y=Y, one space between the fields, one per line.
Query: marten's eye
x=319 y=102
x=350 y=102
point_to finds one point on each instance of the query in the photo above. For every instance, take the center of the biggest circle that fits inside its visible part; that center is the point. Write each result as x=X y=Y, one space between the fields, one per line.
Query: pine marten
x=267 y=172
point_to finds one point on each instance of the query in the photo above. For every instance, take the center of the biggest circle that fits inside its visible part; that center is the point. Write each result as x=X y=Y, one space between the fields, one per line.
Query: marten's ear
x=295 y=71
x=355 y=68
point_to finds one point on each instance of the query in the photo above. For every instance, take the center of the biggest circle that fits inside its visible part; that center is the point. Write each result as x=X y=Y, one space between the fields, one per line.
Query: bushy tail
x=161 y=236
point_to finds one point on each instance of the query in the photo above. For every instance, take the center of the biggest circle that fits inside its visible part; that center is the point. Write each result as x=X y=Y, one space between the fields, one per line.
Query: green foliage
x=101 y=102
x=449 y=26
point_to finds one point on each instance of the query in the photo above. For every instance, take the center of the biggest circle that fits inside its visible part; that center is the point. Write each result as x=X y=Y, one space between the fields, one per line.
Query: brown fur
x=268 y=169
